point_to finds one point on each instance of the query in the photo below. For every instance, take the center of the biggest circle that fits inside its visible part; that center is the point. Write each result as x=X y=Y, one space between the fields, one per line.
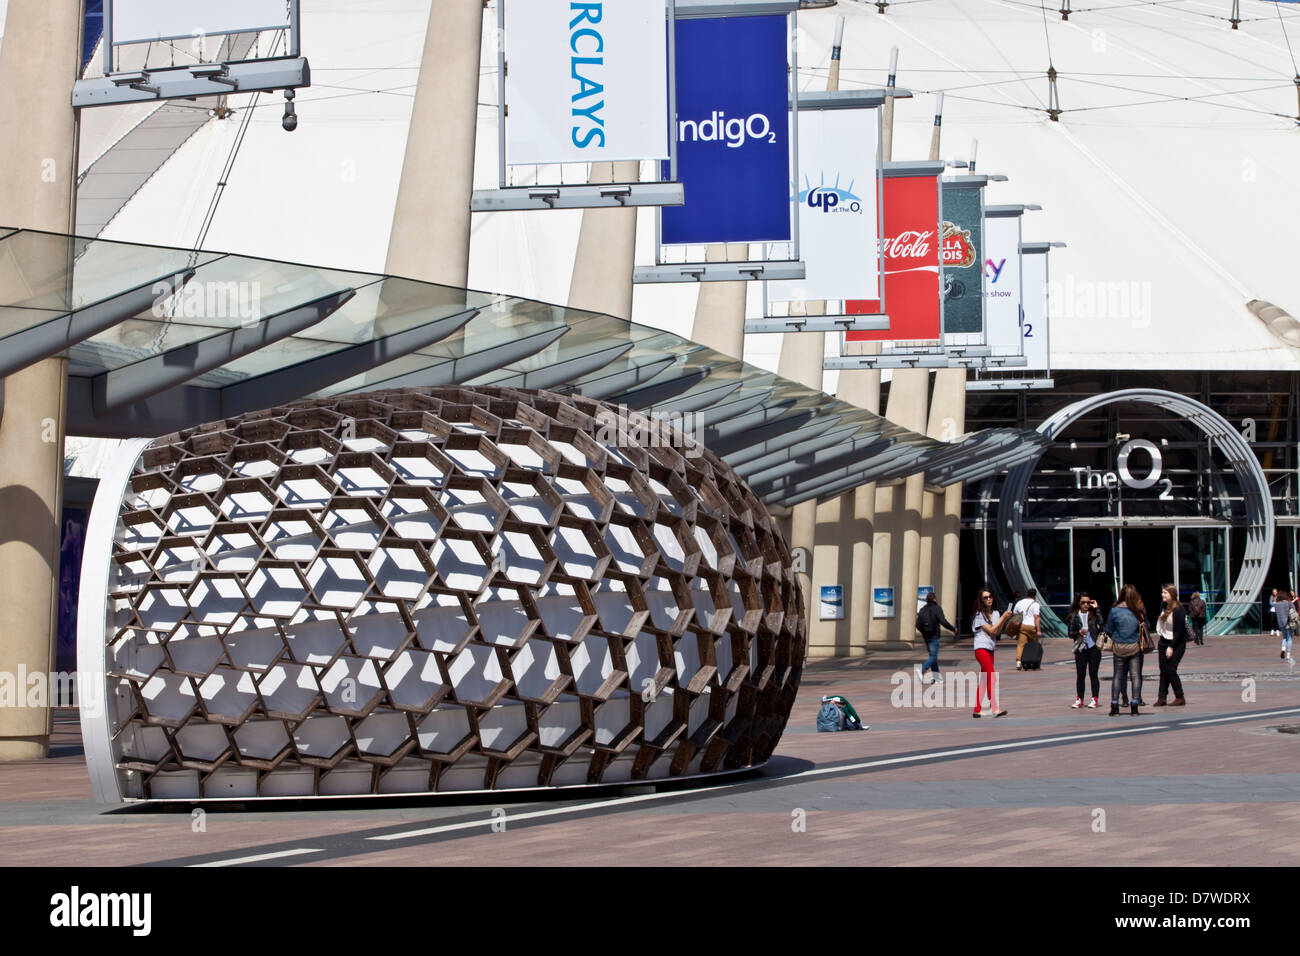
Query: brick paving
x=1226 y=792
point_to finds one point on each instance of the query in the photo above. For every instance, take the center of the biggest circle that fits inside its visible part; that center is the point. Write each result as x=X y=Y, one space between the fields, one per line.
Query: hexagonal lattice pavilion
x=441 y=589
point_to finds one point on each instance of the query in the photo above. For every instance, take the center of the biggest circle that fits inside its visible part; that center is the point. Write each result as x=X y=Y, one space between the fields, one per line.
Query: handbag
x=1123 y=650
x=1105 y=643
x=1145 y=643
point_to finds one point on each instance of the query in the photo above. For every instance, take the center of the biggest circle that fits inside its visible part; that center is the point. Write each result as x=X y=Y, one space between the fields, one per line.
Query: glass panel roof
x=395 y=332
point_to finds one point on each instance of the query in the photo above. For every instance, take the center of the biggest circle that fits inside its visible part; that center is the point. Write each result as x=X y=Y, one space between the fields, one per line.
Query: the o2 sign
x=1086 y=478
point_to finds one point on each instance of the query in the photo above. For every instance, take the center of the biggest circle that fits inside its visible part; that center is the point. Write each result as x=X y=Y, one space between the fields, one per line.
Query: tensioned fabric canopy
x=159 y=339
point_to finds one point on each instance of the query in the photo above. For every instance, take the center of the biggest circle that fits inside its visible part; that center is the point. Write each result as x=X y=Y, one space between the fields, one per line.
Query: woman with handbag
x=988 y=626
x=1123 y=635
x=1172 y=627
x=1085 y=631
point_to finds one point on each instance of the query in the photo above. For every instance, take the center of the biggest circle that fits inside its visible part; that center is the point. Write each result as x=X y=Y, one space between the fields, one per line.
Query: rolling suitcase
x=1031 y=658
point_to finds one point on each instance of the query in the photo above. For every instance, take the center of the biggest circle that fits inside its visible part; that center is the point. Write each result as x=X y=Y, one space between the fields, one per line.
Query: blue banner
x=733 y=132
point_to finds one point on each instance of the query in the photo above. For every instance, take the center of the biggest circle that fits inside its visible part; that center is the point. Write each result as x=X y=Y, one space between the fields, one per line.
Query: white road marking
x=1223 y=720
x=718 y=788
x=259 y=857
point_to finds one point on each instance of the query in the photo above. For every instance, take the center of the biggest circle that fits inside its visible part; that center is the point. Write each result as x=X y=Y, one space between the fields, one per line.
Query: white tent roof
x=1170 y=175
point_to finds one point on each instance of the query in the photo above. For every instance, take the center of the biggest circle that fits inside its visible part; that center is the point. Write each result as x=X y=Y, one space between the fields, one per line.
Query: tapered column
x=898 y=515
x=39 y=63
x=943 y=529
x=720 y=310
x=801 y=360
x=431 y=224
x=602 y=269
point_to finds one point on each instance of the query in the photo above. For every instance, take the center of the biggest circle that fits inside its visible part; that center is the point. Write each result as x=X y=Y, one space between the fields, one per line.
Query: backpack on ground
x=840 y=716
x=829 y=718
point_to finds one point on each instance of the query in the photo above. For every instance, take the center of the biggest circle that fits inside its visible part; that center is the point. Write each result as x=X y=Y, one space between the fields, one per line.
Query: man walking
x=928 y=621
x=1196 y=613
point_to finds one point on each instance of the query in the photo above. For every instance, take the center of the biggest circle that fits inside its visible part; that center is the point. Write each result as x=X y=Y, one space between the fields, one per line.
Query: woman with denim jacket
x=1122 y=626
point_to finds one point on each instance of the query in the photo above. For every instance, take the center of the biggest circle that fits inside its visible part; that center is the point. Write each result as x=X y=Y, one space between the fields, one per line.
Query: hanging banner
x=838 y=217
x=1034 y=334
x=963 y=259
x=587 y=82
x=137 y=21
x=912 y=262
x=1002 y=292
x=733 y=132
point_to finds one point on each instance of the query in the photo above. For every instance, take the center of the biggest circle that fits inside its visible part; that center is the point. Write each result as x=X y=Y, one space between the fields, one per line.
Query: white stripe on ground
x=1223 y=720
x=816 y=772
x=259 y=857
x=718 y=788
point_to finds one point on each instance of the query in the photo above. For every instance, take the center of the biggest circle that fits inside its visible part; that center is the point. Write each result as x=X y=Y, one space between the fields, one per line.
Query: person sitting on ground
x=928 y=621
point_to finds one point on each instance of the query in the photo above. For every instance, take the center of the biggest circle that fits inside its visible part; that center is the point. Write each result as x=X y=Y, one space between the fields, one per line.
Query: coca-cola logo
x=912 y=244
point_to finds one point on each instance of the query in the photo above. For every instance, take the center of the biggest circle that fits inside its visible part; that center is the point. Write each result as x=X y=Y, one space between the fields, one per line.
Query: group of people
x=1125 y=633
x=1130 y=641
x=1285 y=610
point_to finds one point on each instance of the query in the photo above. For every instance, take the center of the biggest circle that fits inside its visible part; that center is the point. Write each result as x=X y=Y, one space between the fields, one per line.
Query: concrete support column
x=802 y=355
x=602 y=269
x=898 y=515
x=720 y=311
x=39 y=62
x=943 y=526
x=845 y=535
x=431 y=224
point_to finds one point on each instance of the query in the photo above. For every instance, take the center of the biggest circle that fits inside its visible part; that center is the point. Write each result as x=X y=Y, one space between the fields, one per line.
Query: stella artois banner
x=911 y=247
x=838 y=216
x=587 y=82
x=963 y=259
x=1002 y=292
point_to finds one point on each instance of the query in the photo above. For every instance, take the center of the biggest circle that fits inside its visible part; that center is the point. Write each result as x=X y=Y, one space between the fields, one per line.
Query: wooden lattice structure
x=441 y=589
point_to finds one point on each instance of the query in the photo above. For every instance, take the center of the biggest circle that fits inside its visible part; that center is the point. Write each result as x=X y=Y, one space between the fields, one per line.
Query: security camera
x=290 y=121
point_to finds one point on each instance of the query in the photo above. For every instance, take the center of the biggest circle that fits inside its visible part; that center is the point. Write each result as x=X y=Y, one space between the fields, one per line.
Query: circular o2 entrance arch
x=1259 y=505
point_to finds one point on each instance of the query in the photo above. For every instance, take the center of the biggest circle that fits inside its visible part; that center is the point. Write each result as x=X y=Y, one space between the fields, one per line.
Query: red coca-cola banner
x=912 y=248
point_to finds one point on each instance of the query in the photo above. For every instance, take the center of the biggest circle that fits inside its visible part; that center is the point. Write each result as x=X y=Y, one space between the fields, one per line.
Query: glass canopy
x=160 y=339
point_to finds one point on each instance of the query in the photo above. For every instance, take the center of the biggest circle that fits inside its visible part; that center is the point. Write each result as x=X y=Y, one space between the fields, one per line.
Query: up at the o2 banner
x=838 y=221
x=912 y=250
x=733 y=132
x=586 y=81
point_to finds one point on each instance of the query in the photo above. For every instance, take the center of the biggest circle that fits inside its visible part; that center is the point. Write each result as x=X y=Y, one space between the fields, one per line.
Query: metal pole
x=938 y=127
x=794 y=125
x=887 y=144
x=108 y=37
x=501 y=92
x=295 y=39
x=672 y=91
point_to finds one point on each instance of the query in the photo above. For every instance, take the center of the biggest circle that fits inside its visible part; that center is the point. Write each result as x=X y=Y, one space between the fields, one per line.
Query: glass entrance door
x=1147 y=562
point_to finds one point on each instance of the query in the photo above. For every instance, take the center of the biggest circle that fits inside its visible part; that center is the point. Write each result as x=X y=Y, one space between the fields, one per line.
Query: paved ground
x=1212 y=783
